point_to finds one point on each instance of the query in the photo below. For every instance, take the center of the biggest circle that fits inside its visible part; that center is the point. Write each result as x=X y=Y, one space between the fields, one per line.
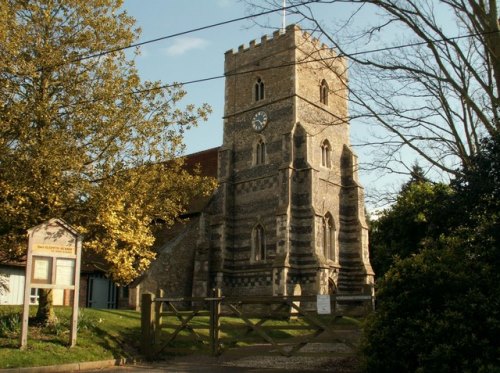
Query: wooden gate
x=220 y=322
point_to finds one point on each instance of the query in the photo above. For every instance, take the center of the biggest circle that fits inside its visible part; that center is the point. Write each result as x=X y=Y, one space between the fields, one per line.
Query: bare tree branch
x=424 y=73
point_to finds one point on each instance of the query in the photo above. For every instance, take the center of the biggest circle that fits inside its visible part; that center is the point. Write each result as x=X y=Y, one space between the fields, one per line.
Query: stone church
x=288 y=215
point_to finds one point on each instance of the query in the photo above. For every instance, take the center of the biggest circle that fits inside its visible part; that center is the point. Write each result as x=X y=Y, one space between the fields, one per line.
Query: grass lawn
x=102 y=335
x=112 y=334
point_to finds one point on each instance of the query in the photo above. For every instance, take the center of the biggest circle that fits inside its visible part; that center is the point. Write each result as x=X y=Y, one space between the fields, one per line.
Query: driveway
x=314 y=357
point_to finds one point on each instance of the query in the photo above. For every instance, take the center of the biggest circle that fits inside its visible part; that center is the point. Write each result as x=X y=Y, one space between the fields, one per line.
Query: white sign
x=41 y=269
x=323 y=304
x=65 y=272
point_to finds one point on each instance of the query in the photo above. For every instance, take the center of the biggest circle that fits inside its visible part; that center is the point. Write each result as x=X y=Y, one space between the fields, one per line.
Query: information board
x=53 y=262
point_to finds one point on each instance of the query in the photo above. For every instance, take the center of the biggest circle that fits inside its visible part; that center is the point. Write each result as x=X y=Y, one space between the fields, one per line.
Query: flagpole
x=284 y=16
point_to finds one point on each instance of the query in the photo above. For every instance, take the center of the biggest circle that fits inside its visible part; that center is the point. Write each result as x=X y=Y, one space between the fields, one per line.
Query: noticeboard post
x=53 y=262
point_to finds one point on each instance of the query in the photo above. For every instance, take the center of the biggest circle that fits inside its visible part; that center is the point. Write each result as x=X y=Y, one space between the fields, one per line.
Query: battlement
x=290 y=32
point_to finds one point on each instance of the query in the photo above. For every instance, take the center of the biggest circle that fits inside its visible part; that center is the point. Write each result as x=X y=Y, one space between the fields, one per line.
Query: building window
x=326 y=154
x=328 y=237
x=260 y=152
x=34 y=296
x=259 y=90
x=323 y=92
x=258 y=244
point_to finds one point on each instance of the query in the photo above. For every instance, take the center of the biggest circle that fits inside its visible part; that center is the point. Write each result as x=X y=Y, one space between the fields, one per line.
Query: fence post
x=215 y=308
x=158 y=309
x=147 y=324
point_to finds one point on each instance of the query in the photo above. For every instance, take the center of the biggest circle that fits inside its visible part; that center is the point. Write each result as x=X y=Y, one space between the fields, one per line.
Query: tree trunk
x=45 y=314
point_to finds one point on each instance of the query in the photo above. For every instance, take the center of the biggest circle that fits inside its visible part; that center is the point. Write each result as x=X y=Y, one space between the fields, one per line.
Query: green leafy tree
x=420 y=213
x=82 y=138
x=478 y=185
x=417 y=175
x=439 y=310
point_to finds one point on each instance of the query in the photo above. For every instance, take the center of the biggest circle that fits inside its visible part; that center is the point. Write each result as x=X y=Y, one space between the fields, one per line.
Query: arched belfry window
x=260 y=152
x=259 y=90
x=328 y=237
x=323 y=92
x=258 y=243
x=326 y=154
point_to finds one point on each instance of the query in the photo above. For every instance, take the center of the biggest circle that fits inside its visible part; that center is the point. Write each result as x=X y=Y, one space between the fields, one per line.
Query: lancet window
x=326 y=154
x=259 y=90
x=260 y=152
x=328 y=237
x=323 y=92
x=258 y=243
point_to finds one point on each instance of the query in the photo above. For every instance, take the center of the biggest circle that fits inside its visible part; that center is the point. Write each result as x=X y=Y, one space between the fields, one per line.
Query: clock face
x=259 y=120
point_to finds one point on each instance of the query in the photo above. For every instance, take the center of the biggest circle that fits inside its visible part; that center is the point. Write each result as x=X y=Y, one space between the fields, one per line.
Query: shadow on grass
x=235 y=333
x=118 y=345
x=116 y=331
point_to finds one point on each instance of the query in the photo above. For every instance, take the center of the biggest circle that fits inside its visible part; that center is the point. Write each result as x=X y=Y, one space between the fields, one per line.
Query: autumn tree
x=424 y=74
x=82 y=138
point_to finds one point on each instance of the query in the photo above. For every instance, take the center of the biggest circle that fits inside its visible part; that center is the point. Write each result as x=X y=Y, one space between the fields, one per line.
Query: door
x=102 y=293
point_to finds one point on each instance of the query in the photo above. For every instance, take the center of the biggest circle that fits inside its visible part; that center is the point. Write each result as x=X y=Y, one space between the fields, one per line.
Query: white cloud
x=182 y=45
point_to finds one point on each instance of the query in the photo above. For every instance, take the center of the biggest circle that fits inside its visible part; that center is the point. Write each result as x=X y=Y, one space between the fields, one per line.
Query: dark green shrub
x=10 y=324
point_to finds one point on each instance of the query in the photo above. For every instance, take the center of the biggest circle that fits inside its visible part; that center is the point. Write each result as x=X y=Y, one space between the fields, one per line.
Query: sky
x=200 y=55
x=193 y=56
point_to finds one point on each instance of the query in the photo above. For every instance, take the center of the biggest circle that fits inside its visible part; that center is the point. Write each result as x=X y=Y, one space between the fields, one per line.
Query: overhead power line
x=103 y=53
x=216 y=77
x=342 y=55
x=284 y=8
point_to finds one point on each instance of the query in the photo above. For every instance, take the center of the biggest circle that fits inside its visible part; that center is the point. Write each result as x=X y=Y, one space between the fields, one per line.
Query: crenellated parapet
x=265 y=40
x=291 y=31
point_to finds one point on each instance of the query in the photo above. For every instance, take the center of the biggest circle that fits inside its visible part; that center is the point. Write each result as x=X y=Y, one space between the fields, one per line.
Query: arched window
x=326 y=154
x=328 y=237
x=259 y=90
x=260 y=152
x=323 y=92
x=258 y=243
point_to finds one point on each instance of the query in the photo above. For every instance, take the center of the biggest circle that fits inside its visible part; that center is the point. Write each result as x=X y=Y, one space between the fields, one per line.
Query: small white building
x=12 y=276
x=96 y=290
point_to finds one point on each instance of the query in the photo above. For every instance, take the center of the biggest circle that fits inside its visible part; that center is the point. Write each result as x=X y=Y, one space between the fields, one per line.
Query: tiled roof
x=207 y=160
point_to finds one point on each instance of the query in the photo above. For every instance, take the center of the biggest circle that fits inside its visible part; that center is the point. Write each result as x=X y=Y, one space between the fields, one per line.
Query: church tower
x=288 y=217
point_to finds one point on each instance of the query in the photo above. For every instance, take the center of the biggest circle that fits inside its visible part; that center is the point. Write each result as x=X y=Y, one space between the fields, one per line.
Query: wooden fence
x=246 y=314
